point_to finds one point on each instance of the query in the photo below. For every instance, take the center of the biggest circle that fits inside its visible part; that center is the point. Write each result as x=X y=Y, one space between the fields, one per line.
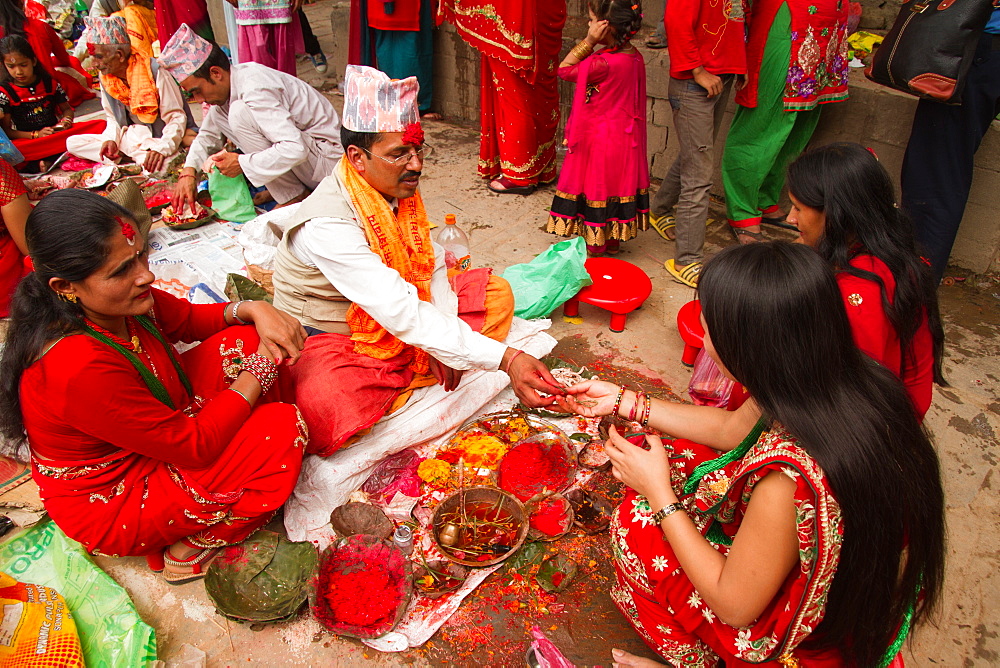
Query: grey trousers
x=696 y=121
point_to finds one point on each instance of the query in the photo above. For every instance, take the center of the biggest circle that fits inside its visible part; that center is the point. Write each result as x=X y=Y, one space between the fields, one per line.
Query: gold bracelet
x=582 y=50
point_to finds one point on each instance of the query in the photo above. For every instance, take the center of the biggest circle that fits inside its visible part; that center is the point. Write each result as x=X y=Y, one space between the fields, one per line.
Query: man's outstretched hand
x=528 y=377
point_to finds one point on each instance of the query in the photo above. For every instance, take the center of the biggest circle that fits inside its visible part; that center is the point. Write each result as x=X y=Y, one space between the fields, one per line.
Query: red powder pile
x=550 y=517
x=532 y=467
x=360 y=592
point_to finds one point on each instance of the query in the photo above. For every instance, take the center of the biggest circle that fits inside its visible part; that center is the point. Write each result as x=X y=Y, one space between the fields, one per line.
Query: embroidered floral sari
x=661 y=603
x=128 y=473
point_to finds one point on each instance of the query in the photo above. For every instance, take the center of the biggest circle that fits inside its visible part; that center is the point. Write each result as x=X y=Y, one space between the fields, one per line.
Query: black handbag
x=930 y=48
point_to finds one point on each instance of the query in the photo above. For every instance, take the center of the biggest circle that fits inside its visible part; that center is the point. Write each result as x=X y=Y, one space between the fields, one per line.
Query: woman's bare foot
x=431 y=116
x=623 y=658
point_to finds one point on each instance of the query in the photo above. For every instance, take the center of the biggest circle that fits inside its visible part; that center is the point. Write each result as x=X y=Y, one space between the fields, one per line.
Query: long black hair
x=19 y=44
x=12 y=17
x=778 y=324
x=624 y=17
x=69 y=236
x=847 y=183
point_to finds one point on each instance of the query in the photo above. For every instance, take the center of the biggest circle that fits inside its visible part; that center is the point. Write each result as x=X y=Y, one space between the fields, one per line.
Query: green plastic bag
x=111 y=633
x=231 y=197
x=543 y=284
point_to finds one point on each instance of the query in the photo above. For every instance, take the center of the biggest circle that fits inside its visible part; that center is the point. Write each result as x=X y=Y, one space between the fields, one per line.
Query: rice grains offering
x=543 y=462
x=363 y=587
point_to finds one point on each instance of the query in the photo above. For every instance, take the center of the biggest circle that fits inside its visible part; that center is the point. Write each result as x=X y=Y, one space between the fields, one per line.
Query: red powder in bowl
x=534 y=466
x=550 y=517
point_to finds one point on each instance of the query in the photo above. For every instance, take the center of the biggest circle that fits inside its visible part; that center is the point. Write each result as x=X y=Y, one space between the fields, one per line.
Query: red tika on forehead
x=413 y=134
x=91 y=48
x=127 y=230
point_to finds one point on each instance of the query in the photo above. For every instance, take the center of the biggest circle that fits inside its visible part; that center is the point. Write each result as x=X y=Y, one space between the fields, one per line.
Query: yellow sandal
x=664 y=225
x=688 y=275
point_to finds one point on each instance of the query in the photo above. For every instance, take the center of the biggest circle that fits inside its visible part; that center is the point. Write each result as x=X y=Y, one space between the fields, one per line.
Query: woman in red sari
x=14 y=210
x=766 y=546
x=519 y=98
x=137 y=450
x=844 y=205
x=48 y=48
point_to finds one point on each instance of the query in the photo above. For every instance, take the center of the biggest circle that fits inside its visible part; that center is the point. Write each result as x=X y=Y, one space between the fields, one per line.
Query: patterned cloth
x=184 y=53
x=262 y=12
x=375 y=103
x=817 y=64
x=658 y=598
x=103 y=30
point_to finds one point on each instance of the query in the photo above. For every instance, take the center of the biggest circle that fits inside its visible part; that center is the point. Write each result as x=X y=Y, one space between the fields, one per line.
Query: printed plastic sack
x=111 y=633
x=230 y=197
x=543 y=284
x=36 y=629
x=8 y=151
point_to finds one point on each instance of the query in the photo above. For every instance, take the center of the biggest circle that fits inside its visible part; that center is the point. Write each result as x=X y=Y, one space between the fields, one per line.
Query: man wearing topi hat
x=357 y=262
x=287 y=132
x=148 y=120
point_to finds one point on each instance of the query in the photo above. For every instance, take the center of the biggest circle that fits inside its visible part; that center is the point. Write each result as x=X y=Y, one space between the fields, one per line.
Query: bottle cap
x=403 y=534
x=449 y=219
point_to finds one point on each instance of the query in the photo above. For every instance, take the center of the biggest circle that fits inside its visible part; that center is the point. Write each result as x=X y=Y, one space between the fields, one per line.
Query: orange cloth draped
x=403 y=241
x=140 y=23
x=519 y=42
x=139 y=93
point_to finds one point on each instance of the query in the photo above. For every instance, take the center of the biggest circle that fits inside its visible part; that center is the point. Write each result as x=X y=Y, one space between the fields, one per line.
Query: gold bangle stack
x=581 y=50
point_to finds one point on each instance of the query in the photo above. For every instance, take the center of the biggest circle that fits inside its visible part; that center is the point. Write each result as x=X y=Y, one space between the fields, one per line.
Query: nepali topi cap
x=375 y=103
x=185 y=53
x=105 y=30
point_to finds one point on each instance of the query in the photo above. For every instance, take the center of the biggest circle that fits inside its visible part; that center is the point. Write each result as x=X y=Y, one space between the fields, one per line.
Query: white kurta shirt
x=340 y=250
x=171 y=111
x=288 y=110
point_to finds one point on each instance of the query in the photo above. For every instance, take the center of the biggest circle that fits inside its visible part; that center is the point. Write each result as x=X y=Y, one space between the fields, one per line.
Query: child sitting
x=33 y=104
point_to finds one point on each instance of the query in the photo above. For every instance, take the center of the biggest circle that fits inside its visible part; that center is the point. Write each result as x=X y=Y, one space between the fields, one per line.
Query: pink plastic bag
x=708 y=386
x=547 y=655
x=397 y=473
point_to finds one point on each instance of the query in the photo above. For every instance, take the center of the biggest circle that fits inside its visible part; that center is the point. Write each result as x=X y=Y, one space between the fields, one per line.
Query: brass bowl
x=488 y=495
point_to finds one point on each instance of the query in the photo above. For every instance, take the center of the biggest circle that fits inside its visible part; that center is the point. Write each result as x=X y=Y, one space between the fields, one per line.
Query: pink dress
x=603 y=190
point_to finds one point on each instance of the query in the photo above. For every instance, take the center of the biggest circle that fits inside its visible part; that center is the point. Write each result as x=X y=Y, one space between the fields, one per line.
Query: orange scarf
x=139 y=94
x=140 y=23
x=403 y=241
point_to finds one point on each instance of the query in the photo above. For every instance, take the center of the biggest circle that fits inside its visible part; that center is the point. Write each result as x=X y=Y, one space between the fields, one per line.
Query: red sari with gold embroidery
x=519 y=97
x=661 y=603
x=125 y=474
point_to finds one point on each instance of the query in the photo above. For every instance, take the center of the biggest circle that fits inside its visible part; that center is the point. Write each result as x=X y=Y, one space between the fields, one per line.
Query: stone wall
x=874 y=116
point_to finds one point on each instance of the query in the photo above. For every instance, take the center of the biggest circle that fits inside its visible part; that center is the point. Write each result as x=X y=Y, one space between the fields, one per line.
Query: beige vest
x=304 y=291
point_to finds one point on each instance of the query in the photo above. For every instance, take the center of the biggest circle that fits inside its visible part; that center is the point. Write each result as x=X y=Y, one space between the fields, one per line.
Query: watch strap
x=666 y=510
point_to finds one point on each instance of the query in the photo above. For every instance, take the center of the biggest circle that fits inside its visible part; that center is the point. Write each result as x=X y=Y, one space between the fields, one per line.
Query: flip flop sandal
x=745 y=236
x=665 y=226
x=510 y=188
x=656 y=43
x=779 y=222
x=688 y=275
x=198 y=563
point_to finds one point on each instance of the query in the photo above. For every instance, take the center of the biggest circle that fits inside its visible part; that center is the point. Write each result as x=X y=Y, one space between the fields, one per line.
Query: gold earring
x=68 y=297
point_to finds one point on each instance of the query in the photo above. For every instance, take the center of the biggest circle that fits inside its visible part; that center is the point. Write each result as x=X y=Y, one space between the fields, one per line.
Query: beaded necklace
x=133 y=348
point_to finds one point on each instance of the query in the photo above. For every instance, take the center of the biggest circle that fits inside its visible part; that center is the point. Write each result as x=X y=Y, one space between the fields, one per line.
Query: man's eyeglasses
x=419 y=151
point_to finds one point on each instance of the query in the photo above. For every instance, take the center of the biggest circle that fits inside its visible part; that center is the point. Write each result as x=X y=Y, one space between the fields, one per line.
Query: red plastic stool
x=689 y=327
x=619 y=287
